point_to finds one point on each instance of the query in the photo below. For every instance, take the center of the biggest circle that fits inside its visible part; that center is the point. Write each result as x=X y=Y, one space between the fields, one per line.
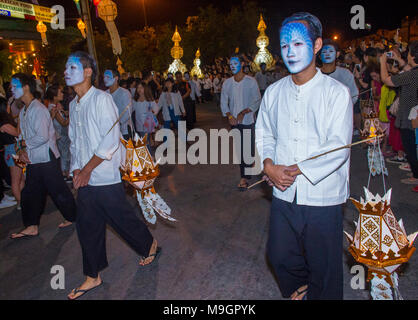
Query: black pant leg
x=33 y=195
x=408 y=142
x=245 y=148
x=323 y=243
x=120 y=215
x=91 y=230
x=189 y=115
x=58 y=190
x=194 y=111
x=284 y=246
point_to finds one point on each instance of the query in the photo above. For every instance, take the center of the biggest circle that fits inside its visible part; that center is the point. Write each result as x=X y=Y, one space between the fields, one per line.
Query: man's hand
x=293 y=170
x=279 y=175
x=232 y=121
x=23 y=156
x=240 y=117
x=81 y=178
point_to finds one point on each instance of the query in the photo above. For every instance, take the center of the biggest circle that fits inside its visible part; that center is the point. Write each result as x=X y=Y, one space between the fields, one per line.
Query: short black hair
x=413 y=50
x=87 y=61
x=26 y=79
x=314 y=25
x=52 y=91
x=371 y=52
x=178 y=72
x=330 y=42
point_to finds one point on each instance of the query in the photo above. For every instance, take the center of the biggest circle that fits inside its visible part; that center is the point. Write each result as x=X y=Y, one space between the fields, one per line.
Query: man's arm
x=74 y=166
x=339 y=133
x=40 y=122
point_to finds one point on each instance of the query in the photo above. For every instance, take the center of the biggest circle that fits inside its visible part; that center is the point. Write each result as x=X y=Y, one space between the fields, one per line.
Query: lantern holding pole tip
x=82 y=27
x=41 y=28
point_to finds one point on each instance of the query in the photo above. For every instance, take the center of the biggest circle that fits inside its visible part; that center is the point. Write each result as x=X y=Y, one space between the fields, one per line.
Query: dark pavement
x=215 y=251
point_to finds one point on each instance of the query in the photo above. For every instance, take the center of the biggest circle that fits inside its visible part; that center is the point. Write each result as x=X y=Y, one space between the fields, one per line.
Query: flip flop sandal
x=155 y=255
x=83 y=292
x=302 y=292
x=243 y=186
x=64 y=227
x=25 y=236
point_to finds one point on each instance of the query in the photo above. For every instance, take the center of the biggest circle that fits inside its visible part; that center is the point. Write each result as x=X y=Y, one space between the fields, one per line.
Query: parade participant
x=194 y=93
x=122 y=98
x=38 y=149
x=217 y=88
x=95 y=161
x=185 y=91
x=171 y=104
x=262 y=78
x=302 y=115
x=329 y=54
x=240 y=99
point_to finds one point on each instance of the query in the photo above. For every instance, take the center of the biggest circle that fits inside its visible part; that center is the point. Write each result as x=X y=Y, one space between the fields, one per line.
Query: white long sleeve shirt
x=38 y=132
x=345 y=76
x=122 y=98
x=237 y=96
x=90 y=120
x=176 y=103
x=297 y=122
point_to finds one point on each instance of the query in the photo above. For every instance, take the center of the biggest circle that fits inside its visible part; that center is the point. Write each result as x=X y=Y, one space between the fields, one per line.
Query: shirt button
x=296 y=120
x=296 y=139
x=296 y=159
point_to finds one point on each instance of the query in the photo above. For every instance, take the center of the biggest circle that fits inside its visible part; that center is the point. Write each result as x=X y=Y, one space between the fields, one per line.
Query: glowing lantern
x=196 y=71
x=140 y=171
x=41 y=28
x=176 y=53
x=108 y=12
x=263 y=55
x=380 y=242
x=96 y=2
x=82 y=27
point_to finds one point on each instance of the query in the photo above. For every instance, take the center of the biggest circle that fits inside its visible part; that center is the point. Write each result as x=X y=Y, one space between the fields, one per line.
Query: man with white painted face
x=95 y=159
x=240 y=99
x=303 y=115
x=329 y=55
x=38 y=149
x=262 y=78
x=123 y=101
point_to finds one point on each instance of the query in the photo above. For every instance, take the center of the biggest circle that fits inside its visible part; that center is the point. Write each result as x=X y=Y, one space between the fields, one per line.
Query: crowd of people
x=47 y=130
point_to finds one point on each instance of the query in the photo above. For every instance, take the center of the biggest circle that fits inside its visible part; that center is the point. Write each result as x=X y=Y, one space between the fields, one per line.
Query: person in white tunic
x=303 y=115
x=240 y=99
x=95 y=159
x=122 y=98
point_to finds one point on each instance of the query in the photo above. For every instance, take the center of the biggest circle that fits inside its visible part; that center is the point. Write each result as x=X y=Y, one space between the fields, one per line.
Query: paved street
x=215 y=251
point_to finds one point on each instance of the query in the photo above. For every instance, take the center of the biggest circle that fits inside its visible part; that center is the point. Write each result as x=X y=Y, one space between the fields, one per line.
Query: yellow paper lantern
x=82 y=27
x=41 y=28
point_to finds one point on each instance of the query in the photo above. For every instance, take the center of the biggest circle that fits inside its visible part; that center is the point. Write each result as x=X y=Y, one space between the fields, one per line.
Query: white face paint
x=108 y=78
x=74 y=71
x=296 y=46
x=328 y=54
x=235 y=65
x=17 y=88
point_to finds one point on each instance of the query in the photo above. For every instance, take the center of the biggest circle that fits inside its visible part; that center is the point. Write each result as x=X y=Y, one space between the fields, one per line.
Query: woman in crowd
x=145 y=108
x=60 y=119
x=8 y=132
x=171 y=103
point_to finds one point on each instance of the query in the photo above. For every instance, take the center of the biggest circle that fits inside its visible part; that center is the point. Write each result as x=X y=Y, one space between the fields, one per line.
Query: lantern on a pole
x=263 y=55
x=139 y=170
x=108 y=12
x=176 y=53
x=196 y=71
x=82 y=27
x=41 y=28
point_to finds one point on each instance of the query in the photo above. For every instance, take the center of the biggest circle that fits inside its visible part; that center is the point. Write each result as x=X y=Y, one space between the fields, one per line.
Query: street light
x=145 y=13
x=335 y=37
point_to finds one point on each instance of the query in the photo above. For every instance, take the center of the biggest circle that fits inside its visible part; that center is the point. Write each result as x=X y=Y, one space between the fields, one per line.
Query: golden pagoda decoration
x=139 y=170
x=177 y=54
x=263 y=55
x=380 y=242
x=196 y=71
x=41 y=28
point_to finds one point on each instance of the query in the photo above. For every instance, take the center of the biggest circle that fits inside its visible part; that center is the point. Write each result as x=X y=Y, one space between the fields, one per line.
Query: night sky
x=335 y=15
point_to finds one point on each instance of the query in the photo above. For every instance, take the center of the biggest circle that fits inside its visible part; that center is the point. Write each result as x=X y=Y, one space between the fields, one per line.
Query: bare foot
x=89 y=284
x=65 y=224
x=29 y=231
x=300 y=293
x=151 y=256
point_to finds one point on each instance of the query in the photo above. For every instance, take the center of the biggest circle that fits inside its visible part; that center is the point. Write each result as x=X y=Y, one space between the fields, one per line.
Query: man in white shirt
x=240 y=99
x=194 y=94
x=262 y=78
x=123 y=101
x=207 y=87
x=329 y=54
x=217 y=88
x=37 y=148
x=95 y=159
x=303 y=115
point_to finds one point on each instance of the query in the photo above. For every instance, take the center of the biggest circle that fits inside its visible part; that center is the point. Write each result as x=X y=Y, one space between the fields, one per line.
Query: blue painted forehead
x=235 y=59
x=108 y=73
x=16 y=82
x=328 y=47
x=74 y=60
x=294 y=30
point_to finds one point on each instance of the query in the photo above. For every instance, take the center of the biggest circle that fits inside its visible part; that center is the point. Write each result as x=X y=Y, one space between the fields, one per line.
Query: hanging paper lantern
x=41 y=28
x=380 y=242
x=120 y=68
x=108 y=12
x=96 y=2
x=82 y=27
x=140 y=171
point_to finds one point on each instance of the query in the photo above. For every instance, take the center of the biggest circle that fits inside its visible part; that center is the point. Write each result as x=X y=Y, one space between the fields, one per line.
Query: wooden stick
x=333 y=150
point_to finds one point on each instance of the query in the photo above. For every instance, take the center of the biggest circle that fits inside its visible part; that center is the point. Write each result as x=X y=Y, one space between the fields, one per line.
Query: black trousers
x=408 y=142
x=42 y=179
x=194 y=111
x=188 y=106
x=101 y=205
x=243 y=164
x=305 y=246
